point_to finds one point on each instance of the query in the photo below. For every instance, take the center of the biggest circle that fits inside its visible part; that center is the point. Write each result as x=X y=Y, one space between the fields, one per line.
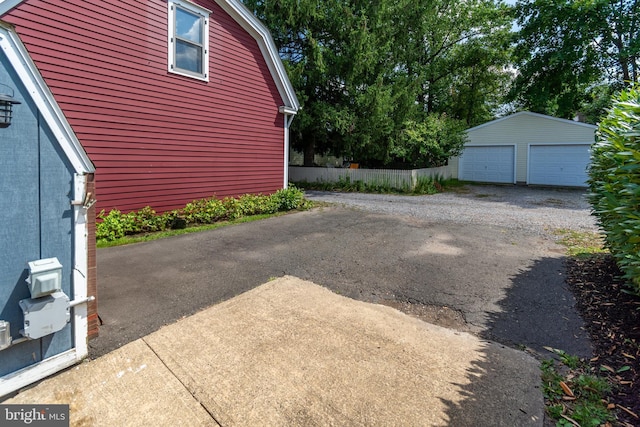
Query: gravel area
x=537 y=210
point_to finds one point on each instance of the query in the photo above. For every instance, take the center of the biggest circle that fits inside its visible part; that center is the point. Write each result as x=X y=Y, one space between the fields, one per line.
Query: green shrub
x=427 y=185
x=115 y=224
x=290 y=198
x=146 y=220
x=232 y=208
x=614 y=180
x=203 y=211
x=424 y=185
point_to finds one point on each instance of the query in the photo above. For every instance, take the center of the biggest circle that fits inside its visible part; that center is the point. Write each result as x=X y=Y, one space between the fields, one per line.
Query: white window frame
x=204 y=15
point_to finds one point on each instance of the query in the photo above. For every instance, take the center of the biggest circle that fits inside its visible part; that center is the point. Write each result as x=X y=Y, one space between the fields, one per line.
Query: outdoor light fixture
x=6 y=105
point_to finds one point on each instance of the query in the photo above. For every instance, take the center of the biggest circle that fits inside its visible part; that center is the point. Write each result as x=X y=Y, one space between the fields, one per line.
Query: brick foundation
x=92 y=275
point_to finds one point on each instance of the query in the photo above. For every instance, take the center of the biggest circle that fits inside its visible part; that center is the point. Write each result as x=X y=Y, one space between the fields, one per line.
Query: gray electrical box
x=45 y=277
x=45 y=315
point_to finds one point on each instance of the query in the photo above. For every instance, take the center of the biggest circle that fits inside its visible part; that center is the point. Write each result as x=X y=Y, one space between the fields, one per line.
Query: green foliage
x=592 y=386
x=203 y=211
x=364 y=70
x=614 y=180
x=430 y=142
x=566 y=47
x=423 y=185
x=586 y=405
x=287 y=199
x=428 y=185
x=115 y=225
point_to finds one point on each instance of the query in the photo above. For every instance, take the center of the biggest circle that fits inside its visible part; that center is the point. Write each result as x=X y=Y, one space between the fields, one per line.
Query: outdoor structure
x=528 y=148
x=47 y=267
x=172 y=100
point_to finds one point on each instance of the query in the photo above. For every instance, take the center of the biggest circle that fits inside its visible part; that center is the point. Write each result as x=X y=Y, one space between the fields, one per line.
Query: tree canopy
x=395 y=82
x=572 y=54
x=368 y=73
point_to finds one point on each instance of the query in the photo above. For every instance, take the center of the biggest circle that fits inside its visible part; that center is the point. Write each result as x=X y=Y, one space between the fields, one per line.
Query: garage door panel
x=564 y=165
x=488 y=164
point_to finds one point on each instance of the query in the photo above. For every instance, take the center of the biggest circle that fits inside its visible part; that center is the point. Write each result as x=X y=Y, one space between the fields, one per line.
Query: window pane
x=188 y=56
x=188 y=25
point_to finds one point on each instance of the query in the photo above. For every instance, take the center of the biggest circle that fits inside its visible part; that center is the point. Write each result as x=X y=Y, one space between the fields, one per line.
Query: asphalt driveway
x=482 y=261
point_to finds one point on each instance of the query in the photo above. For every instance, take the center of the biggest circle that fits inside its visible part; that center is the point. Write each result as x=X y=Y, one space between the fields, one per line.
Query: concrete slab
x=127 y=387
x=293 y=353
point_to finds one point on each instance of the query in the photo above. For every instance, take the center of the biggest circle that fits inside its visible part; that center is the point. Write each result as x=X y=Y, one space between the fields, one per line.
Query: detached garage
x=528 y=148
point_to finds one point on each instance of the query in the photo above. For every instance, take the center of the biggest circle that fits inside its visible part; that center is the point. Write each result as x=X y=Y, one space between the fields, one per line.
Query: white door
x=489 y=163
x=564 y=165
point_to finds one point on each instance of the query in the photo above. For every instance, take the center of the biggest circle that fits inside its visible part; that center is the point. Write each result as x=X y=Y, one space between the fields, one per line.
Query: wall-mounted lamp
x=6 y=105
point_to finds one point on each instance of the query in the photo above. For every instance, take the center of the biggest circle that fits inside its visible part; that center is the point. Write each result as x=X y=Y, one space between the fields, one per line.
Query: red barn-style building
x=172 y=100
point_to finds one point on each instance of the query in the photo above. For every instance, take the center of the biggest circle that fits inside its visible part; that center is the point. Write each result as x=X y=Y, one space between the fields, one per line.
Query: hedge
x=614 y=180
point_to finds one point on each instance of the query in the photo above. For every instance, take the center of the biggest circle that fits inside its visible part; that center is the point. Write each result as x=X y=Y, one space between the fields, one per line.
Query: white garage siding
x=492 y=163
x=564 y=165
x=522 y=130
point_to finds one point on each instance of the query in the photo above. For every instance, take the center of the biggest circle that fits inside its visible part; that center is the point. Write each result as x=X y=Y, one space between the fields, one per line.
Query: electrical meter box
x=45 y=315
x=5 y=334
x=45 y=277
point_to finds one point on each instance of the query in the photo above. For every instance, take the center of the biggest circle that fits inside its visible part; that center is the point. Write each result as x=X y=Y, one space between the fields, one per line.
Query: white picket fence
x=391 y=177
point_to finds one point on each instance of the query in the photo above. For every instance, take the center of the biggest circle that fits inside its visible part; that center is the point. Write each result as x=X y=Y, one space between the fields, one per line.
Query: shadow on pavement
x=538 y=311
x=499 y=393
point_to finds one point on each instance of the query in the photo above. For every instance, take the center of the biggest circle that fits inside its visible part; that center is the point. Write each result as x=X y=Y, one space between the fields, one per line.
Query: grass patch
x=574 y=394
x=581 y=243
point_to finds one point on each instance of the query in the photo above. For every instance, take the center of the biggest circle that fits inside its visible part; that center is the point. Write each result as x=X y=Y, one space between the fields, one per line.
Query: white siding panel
x=564 y=165
x=493 y=163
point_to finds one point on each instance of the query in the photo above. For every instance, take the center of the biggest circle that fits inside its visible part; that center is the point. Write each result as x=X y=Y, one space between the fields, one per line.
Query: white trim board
x=26 y=376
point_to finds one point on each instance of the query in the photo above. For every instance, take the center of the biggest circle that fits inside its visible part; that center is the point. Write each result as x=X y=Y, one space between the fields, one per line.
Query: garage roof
x=538 y=115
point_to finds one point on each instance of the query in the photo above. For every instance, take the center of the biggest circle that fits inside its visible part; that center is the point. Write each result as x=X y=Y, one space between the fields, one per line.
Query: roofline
x=20 y=60
x=253 y=26
x=7 y=5
x=261 y=34
x=529 y=113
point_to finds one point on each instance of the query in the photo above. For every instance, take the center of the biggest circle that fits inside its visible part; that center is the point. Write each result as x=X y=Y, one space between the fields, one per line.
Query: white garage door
x=559 y=164
x=494 y=163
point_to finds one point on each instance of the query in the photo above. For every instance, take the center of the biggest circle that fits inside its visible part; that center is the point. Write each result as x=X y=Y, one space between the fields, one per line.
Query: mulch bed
x=612 y=318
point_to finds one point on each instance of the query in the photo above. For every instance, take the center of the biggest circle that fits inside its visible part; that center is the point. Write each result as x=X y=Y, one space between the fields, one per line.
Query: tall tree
x=456 y=47
x=565 y=48
x=368 y=72
x=336 y=53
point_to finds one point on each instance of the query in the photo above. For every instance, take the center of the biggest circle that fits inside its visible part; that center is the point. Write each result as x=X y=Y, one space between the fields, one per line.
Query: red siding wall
x=157 y=138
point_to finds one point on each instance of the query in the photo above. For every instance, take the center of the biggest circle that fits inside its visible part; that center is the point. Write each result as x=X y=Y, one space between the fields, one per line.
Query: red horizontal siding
x=157 y=139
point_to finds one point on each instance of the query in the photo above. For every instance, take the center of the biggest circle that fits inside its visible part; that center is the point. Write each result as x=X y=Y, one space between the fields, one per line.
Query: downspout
x=289 y=114
x=81 y=204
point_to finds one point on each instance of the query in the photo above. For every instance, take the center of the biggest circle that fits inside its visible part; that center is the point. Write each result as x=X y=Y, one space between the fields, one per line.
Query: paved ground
x=484 y=276
x=203 y=329
x=291 y=353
